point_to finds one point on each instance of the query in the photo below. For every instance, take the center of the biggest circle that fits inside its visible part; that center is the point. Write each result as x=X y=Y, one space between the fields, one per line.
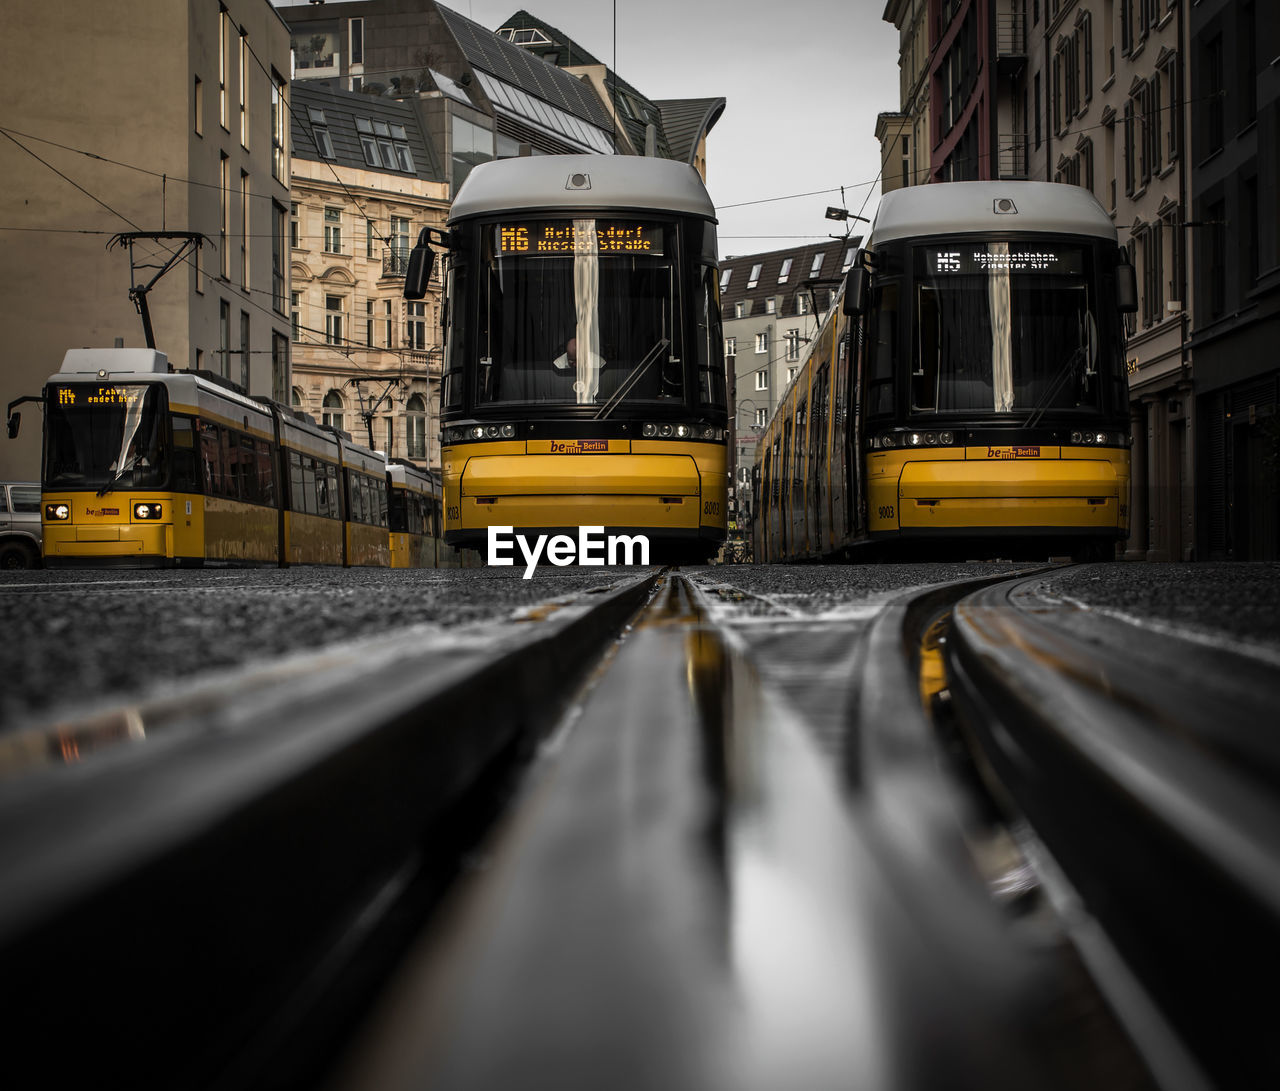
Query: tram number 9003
x=885 y=511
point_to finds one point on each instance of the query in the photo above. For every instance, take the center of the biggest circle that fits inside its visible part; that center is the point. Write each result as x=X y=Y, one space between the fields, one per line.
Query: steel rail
x=688 y=896
x=165 y=902
x=1144 y=767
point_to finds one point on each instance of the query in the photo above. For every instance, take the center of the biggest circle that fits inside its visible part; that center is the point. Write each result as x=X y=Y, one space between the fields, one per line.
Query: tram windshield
x=1004 y=327
x=582 y=312
x=104 y=435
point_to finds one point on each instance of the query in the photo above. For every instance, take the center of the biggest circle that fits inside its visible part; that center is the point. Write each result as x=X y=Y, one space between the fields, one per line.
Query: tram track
x=242 y=855
x=1122 y=765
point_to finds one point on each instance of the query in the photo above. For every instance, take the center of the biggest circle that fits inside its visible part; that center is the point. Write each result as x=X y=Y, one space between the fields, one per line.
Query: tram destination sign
x=554 y=237
x=82 y=394
x=984 y=258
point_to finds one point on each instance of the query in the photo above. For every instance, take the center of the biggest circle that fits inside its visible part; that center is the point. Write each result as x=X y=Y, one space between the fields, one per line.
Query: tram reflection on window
x=1002 y=327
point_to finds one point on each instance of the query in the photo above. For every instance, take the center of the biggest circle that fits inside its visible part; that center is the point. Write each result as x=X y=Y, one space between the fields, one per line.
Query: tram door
x=819 y=491
x=798 y=539
x=784 y=488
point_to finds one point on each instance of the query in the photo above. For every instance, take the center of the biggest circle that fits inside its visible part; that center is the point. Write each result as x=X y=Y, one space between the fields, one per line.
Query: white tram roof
x=560 y=182
x=945 y=208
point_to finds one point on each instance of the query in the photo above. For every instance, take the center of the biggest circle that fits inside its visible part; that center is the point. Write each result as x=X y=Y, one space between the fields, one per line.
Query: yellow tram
x=584 y=374
x=967 y=385
x=146 y=466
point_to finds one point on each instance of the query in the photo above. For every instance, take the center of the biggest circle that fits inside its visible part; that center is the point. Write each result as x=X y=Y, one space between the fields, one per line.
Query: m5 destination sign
x=990 y=259
x=551 y=237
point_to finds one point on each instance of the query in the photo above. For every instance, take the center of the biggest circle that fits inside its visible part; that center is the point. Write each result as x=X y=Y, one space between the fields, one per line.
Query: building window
x=1036 y=97
x=224 y=65
x=197 y=106
x=791 y=373
x=386 y=146
x=295 y=315
x=279 y=131
x=224 y=218
x=368 y=323
x=279 y=365
x=333 y=319
x=244 y=230
x=277 y=256
x=244 y=349
x=740 y=309
x=1152 y=275
x=1173 y=114
x=804 y=303
x=416 y=426
x=792 y=339
x=849 y=255
x=416 y=327
x=762 y=341
x=1130 y=173
x=731 y=346
x=332 y=230
x=762 y=379
x=771 y=305
x=244 y=90
x=331 y=412
x=785 y=273
x=816 y=268
x=725 y=274
x=389 y=323
x=399 y=252
x=298 y=400
x=1216 y=215
x=754 y=278
x=761 y=417
x=1214 y=87
x=224 y=338
x=356 y=40
x=320 y=133
x=294 y=234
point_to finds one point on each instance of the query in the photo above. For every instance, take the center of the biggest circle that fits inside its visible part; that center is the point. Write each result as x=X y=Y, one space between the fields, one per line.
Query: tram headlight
x=930 y=439
x=1077 y=437
x=1101 y=437
x=887 y=440
x=946 y=438
x=915 y=439
x=508 y=431
x=147 y=511
x=57 y=513
x=649 y=431
x=682 y=431
x=477 y=432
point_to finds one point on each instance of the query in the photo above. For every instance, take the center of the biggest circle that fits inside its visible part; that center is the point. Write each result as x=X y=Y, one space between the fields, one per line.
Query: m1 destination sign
x=550 y=237
x=991 y=258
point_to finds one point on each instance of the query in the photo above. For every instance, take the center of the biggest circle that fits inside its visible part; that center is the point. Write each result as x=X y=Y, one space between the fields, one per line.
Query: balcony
x=1014 y=151
x=395 y=262
x=1011 y=42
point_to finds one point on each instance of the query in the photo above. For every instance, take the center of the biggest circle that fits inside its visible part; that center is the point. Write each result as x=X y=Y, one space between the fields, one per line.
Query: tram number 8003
x=454 y=514
x=885 y=511
x=711 y=507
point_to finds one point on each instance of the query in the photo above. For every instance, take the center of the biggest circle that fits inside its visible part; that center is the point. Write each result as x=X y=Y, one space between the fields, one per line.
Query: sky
x=803 y=79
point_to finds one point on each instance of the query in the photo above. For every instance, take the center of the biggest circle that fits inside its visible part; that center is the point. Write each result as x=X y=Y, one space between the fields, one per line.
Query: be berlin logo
x=591 y=548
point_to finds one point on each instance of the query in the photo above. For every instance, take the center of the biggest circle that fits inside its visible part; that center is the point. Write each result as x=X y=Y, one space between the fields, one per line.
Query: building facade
x=1235 y=176
x=772 y=306
x=366 y=181
x=192 y=137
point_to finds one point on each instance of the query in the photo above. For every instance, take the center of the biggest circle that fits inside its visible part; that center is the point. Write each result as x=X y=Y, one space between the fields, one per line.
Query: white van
x=20 y=533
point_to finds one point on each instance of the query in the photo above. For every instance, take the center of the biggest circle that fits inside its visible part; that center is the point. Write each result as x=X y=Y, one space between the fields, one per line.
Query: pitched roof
x=771 y=264
x=485 y=50
x=686 y=121
x=311 y=100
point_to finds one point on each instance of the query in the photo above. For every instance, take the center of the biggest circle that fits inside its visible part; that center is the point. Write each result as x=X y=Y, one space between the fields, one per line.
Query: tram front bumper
x=1081 y=495
x=639 y=491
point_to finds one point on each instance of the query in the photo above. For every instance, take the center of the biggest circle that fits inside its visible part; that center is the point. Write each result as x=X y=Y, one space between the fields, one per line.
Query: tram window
x=297 y=501
x=883 y=349
x=211 y=458
x=245 y=459
x=185 y=477
x=308 y=491
x=324 y=493
x=266 y=472
x=711 y=376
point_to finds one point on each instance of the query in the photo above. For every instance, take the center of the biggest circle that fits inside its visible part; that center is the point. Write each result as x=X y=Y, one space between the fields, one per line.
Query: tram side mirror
x=856 y=285
x=14 y=420
x=418 y=276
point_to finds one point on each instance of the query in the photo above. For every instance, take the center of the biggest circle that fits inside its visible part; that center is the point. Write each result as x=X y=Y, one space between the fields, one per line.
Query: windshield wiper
x=110 y=485
x=630 y=381
x=1068 y=372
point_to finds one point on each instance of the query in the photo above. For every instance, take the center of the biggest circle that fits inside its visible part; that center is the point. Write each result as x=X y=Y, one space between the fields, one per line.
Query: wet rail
x=1137 y=767
x=952 y=835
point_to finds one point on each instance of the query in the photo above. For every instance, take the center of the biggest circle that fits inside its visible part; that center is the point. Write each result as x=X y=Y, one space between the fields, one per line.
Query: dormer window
x=320 y=133
x=524 y=36
x=786 y=271
x=754 y=279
